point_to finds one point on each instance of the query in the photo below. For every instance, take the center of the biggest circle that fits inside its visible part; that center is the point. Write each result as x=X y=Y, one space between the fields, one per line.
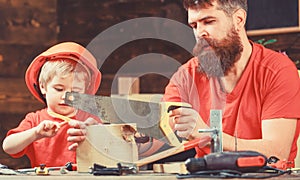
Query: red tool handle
x=251 y=161
x=191 y=144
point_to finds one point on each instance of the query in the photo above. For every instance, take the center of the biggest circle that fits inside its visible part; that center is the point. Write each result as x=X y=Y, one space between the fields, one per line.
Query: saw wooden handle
x=172 y=151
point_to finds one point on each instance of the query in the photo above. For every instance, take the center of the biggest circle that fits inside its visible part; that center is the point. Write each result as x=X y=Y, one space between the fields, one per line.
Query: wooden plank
x=28 y=22
x=128 y=85
x=150 y=83
x=15 y=58
x=96 y=16
x=161 y=155
x=91 y=19
x=15 y=97
x=7 y=122
x=112 y=148
x=166 y=56
x=270 y=17
x=170 y=168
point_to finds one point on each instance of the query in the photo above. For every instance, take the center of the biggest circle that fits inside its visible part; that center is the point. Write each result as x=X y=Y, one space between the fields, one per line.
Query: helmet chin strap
x=37 y=89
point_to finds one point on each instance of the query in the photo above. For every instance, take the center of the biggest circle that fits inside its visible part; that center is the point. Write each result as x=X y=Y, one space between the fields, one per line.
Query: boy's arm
x=16 y=142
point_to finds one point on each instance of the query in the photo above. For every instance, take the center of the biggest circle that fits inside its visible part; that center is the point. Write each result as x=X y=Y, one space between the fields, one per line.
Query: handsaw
x=151 y=117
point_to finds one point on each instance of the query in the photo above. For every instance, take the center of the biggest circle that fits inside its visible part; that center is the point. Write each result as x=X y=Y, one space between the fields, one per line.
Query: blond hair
x=63 y=67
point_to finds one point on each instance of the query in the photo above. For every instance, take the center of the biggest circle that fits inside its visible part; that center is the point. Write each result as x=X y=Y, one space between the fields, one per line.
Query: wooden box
x=105 y=146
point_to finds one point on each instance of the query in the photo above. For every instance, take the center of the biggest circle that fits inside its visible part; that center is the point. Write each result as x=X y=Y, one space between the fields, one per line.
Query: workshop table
x=145 y=175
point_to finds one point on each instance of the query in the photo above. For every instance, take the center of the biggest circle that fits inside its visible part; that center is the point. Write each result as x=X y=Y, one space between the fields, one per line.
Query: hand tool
x=242 y=161
x=184 y=146
x=99 y=170
x=4 y=170
x=43 y=170
x=151 y=117
x=215 y=130
x=59 y=116
x=231 y=164
x=283 y=164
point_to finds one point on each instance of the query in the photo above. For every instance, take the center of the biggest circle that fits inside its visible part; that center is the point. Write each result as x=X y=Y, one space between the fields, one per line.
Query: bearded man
x=257 y=89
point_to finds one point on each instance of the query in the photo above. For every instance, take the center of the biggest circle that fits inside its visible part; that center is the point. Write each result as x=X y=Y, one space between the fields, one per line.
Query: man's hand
x=77 y=133
x=186 y=122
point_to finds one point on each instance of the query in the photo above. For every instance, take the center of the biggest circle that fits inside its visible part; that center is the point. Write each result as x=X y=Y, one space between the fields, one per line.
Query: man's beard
x=219 y=58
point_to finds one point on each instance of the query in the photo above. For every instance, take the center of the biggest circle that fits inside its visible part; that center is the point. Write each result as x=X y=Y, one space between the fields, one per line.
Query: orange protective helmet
x=72 y=50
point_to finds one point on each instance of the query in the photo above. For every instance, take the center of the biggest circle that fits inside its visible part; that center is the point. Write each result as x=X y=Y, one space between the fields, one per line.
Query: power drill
x=242 y=161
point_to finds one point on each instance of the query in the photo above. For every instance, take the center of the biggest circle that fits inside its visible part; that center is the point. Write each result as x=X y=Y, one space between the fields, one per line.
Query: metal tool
x=215 y=130
x=231 y=164
x=242 y=161
x=151 y=117
x=99 y=170
x=41 y=170
x=44 y=170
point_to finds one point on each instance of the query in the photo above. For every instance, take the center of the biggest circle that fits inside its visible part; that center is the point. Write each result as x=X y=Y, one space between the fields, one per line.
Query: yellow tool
x=64 y=118
x=42 y=170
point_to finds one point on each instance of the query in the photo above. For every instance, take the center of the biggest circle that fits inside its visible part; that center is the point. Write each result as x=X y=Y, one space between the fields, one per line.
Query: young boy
x=63 y=68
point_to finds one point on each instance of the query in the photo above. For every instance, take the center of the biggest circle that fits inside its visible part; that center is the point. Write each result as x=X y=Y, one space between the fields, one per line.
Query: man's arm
x=277 y=134
x=277 y=139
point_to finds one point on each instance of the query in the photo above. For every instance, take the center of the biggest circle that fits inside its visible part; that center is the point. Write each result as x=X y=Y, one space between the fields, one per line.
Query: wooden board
x=171 y=168
x=128 y=85
x=96 y=16
x=28 y=22
x=105 y=146
x=15 y=97
x=15 y=58
x=272 y=17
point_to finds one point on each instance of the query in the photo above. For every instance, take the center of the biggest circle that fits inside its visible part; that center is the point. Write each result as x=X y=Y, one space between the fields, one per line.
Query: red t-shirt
x=268 y=88
x=50 y=151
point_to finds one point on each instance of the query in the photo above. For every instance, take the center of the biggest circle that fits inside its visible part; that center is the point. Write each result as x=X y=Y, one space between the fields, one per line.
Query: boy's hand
x=77 y=133
x=47 y=128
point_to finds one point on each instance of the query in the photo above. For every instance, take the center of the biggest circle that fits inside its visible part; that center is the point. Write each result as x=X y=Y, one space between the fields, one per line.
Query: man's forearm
x=266 y=147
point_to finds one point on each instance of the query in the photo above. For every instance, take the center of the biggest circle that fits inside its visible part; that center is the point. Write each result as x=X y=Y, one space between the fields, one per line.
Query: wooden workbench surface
x=145 y=175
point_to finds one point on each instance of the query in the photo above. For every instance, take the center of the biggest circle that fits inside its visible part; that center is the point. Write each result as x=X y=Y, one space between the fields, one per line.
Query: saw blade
x=121 y=110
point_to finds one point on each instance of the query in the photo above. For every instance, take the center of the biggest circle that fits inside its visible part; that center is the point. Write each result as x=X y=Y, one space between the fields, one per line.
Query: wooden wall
x=27 y=27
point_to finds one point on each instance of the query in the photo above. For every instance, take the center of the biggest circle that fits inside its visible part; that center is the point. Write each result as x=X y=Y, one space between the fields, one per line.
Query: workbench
x=145 y=175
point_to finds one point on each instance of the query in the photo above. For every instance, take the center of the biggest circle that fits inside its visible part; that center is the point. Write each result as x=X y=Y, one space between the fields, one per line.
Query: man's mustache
x=201 y=45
